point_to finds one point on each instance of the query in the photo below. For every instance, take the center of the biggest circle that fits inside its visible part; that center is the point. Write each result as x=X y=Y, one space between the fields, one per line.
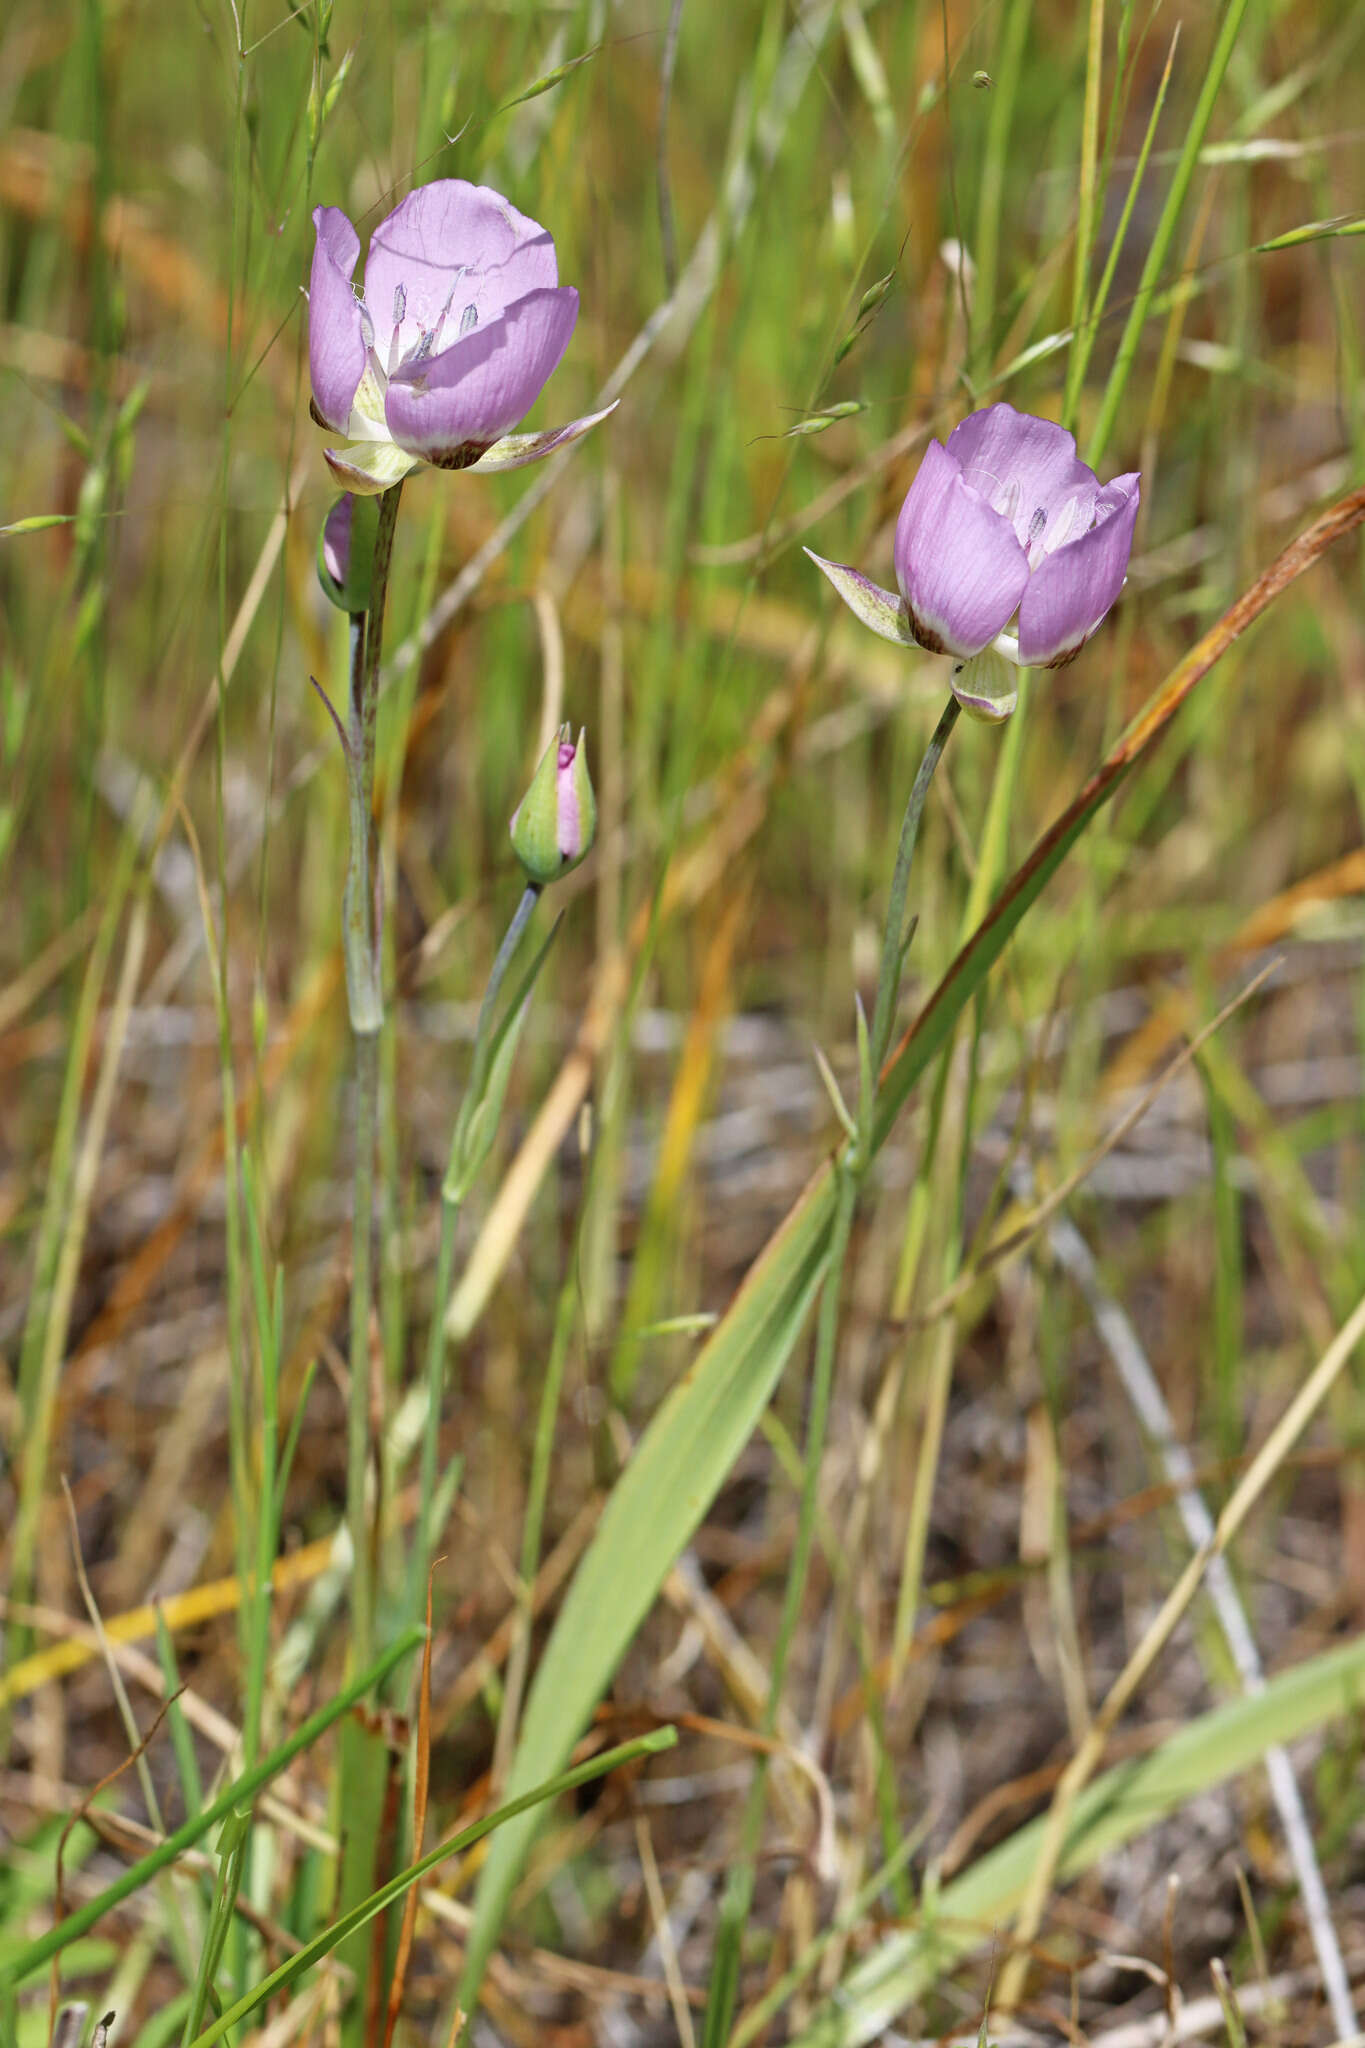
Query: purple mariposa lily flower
x=461 y=321
x=1006 y=518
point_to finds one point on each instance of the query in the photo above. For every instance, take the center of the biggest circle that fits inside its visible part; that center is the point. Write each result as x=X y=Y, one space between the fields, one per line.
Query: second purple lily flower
x=1006 y=518
x=461 y=322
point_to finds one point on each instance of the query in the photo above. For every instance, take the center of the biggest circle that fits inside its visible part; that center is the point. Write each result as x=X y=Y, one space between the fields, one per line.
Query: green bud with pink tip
x=554 y=825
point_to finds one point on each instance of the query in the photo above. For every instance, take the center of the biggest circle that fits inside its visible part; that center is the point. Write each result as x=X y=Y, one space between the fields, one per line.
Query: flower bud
x=346 y=551
x=554 y=825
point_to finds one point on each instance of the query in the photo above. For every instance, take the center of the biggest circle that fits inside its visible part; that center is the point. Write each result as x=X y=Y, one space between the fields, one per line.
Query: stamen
x=469 y=320
x=1036 y=525
x=1063 y=526
x=400 y=302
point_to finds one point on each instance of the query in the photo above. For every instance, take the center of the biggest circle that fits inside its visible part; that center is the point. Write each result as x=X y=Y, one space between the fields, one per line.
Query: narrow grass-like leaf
x=1165 y=229
x=378 y=1902
x=232 y=1847
x=35 y=1953
x=1128 y=1799
x=678 y=1467
x=549 y=81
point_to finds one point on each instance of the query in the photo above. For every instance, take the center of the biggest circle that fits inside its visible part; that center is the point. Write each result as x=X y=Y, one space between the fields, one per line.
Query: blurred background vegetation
x=806 y=238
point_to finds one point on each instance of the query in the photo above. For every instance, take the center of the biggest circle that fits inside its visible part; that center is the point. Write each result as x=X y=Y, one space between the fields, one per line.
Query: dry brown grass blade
x=421 y=1782
x=1267 y=925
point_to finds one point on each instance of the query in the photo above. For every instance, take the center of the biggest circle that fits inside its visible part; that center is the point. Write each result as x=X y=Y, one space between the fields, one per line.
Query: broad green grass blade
x=690 y=1445
x=1126 y=1800
x=678 y=1468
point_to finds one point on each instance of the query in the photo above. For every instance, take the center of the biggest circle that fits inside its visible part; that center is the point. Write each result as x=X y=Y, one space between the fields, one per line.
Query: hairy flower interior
x=1044 y=533
x=367 y=421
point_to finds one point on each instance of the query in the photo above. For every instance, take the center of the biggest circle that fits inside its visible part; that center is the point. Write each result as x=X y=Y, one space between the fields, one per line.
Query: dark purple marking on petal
x=336 y=538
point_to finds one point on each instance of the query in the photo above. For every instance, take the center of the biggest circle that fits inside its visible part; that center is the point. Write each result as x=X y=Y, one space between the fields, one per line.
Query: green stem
x=450 y=1216
x=893 y=946
x=738 y=1897
x=360 y=1776
x=365 y=995
x=435 y=1377
x=1159 y=247
x=361 y=914
x=512 y=938
x=238 y=1797
x=358 y=1435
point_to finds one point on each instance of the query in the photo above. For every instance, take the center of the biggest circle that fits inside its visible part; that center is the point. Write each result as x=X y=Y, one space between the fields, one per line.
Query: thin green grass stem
x=232 y=1847
x=893 y=944
x=1084 y=341
x=445 y=1256
x=990 y=203
x=1165 y=231
x=47 y=1320
x=533 y=1523
x=353 y=1923
x=238 y=1796
x=738 y=1897
x=852 y=1168
x=1085 y=215
x=435 y=1380
x=363 y=1759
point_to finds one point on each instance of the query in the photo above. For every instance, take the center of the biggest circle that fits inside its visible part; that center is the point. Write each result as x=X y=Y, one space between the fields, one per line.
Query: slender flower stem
x=450 y=1216
x=360 y=921
x=737 y=1899
x=853 y=1166
x=360 y=1773
x=506 y=952
x=893 y=945
x=358 y=1432
x=365 y=995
